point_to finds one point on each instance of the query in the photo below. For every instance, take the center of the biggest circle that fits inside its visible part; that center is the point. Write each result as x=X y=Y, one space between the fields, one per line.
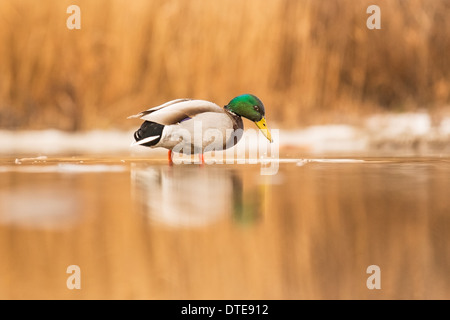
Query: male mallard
x=195 y=126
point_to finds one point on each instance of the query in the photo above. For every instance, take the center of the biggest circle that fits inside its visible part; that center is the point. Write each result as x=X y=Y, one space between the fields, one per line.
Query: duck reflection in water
x=187 y=196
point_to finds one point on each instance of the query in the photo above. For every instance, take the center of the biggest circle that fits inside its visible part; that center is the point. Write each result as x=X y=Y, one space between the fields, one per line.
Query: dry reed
x=309 y=61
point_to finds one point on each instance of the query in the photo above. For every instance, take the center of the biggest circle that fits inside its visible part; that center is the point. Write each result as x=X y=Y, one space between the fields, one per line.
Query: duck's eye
x=256 y=108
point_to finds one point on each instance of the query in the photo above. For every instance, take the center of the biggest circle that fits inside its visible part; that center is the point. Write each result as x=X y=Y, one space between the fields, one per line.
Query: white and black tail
x=148 y=134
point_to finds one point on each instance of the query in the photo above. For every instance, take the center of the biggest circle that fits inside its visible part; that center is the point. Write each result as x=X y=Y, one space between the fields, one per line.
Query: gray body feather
x=194 y=126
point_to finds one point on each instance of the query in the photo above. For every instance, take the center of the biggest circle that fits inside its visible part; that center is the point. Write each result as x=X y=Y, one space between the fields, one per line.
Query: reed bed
x=309 y=61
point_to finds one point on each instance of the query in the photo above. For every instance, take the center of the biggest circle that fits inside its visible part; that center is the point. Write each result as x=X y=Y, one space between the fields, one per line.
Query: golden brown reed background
x=309 y=61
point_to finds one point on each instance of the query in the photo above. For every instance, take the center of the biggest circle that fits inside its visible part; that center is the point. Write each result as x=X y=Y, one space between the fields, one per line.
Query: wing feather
x=177 y=110
x=148 y=111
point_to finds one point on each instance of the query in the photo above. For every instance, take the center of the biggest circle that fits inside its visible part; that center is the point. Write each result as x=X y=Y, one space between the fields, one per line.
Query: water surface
x=141 y=229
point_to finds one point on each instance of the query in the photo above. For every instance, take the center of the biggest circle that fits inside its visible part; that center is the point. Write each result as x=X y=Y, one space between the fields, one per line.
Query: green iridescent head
x=250 y=107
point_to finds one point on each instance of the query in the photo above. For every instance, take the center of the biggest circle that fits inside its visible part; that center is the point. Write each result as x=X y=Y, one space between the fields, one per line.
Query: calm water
x=146 y=230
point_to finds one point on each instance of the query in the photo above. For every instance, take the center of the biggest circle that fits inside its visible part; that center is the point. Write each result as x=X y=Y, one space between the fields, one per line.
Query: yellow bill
x=261 y=124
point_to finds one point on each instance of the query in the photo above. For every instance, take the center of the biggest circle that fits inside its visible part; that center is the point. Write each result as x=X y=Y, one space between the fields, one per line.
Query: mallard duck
x=195 y=126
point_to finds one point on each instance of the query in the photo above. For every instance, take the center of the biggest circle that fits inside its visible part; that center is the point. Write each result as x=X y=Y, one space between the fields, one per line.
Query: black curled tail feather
x=149 y=129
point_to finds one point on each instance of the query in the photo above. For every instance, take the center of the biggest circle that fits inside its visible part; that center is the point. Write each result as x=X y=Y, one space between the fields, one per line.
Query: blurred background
x=364 y=139
x=311 y=62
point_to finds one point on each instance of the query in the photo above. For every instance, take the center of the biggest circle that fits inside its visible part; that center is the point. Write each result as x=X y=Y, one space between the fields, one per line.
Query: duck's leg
x=201 y=159
x=169 y=157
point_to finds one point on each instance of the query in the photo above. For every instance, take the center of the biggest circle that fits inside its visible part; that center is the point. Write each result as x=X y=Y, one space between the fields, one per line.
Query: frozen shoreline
x=411 y=132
